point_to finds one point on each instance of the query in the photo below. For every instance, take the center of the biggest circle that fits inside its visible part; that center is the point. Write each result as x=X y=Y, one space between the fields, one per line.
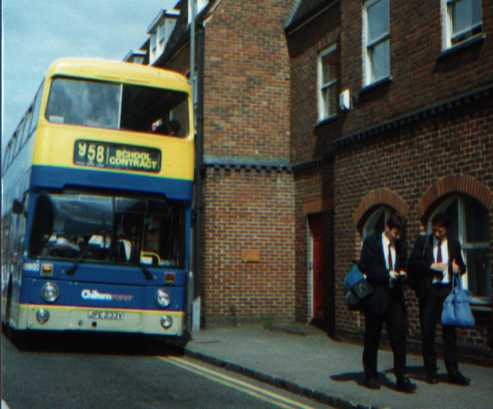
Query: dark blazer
x=420 y=273
x=372 y=264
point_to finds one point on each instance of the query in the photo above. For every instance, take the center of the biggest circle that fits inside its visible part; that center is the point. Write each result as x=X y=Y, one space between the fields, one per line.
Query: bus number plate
x=116 y=156
x=106 y=315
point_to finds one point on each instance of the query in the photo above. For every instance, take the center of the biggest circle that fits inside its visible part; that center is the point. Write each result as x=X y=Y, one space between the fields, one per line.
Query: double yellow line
x=252 y=390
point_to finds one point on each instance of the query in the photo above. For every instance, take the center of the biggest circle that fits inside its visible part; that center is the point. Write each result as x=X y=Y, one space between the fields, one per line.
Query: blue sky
x=36 y=32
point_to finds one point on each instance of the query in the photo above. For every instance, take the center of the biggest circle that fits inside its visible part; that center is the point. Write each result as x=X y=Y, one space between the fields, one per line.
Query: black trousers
x=430 y=313
x=395 y=320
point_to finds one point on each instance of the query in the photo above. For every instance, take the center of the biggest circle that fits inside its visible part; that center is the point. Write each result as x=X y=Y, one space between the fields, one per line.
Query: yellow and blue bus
x=96 y=216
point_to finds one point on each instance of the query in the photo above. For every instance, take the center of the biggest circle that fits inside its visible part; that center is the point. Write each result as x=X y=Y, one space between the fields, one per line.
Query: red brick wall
x=308 y=142
x=249 y=248
x=419 y=76
x=408 y=162
x=247 y=80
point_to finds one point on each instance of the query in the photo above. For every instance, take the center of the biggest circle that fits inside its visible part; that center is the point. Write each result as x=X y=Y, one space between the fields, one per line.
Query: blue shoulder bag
x=456 y=310
x=357 y=288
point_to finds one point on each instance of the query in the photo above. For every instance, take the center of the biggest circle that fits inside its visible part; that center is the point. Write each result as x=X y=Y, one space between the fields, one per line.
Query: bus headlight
x=50 y=292
x=162 y=298
x=166 y=321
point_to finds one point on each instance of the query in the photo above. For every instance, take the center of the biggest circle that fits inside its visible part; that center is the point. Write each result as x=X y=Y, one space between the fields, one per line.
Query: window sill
x=376 y=84
x=479 y=305
x=477 y=39
x=326 y=121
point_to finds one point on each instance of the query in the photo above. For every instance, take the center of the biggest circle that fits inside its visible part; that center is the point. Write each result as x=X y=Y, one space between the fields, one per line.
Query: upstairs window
x=201 y=4
x=153 y=41
x=161 y=32
x=327 y=83
x=376 y=40
x=463 y=19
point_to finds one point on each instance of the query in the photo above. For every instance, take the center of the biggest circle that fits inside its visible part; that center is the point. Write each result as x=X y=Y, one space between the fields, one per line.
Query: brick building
x=247 y=243
x=319 y=118
x=391 y=110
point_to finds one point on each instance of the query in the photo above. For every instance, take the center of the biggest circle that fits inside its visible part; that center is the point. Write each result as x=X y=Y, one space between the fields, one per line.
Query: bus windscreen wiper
x=73 y=268
x=147 y=274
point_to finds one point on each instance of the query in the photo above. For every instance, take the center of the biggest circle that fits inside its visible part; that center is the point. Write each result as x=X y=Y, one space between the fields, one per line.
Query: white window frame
x=448 y=25
x=368 y=76
x=461 y=230
x=309 y=273
x=324 y=108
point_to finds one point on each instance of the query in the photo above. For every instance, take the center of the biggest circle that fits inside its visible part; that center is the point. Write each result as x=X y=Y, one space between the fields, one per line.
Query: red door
x=319 y=271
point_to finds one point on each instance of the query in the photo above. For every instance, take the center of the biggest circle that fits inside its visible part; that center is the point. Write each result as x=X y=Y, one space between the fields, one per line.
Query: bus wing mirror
x=17 y=207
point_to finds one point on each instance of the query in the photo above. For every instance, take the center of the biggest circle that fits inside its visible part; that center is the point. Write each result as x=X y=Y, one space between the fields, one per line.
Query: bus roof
x=118 y=71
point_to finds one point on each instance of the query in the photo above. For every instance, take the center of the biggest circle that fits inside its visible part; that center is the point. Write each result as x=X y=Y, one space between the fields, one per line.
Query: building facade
x=321 y=117
x=397 y=99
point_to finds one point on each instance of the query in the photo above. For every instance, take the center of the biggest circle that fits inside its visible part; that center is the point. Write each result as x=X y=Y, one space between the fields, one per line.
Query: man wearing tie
x=433 y=261
x=382 y=261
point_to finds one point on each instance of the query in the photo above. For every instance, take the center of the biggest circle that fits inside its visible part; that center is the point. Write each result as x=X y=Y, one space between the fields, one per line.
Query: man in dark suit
x=434 y=259
x=382 y=261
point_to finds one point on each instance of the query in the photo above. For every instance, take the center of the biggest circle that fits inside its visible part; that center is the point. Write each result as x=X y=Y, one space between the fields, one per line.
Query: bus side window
x=27 y=125
x=36 y=106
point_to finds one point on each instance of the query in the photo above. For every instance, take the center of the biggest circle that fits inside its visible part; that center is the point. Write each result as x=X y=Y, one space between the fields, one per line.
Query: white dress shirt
x=385 y=244
x=445 y=259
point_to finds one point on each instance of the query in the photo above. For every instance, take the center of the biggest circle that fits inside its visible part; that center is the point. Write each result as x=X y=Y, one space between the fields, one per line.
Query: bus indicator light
x=47 y=270
x=169 y=278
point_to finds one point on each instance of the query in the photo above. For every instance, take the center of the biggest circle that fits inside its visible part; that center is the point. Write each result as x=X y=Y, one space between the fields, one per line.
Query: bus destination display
x=116 y=156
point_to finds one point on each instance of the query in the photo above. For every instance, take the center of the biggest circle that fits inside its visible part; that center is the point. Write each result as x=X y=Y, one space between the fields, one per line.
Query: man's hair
x=395 y=221
x=440 y=220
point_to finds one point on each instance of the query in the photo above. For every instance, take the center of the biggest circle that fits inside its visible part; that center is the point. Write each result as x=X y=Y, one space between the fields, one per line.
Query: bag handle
x=456 y=281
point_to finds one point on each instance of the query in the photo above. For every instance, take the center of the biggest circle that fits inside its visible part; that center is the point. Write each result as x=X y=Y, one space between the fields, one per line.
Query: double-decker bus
x=96 y=216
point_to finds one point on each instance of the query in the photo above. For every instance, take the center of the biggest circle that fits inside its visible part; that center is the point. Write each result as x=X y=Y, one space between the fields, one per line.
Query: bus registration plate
x=106 y=315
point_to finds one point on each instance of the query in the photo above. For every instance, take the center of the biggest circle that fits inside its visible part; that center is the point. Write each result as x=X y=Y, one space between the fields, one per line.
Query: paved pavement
x=319 y=367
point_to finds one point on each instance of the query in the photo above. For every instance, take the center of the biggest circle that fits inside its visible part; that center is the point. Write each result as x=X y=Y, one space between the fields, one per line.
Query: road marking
x=264 y=394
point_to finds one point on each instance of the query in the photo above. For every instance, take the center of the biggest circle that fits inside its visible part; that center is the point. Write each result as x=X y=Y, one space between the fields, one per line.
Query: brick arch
x=454 y=184
x=377 y=197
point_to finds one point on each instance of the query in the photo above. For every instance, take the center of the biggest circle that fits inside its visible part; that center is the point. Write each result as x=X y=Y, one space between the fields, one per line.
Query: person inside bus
x=63 y=246
x=100 y=244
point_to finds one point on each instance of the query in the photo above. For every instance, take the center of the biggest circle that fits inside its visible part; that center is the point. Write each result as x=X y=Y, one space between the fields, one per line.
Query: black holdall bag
x=357 y=288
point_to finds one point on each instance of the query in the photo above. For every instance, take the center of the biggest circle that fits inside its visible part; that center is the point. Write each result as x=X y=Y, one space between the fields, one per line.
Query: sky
x=36 y=32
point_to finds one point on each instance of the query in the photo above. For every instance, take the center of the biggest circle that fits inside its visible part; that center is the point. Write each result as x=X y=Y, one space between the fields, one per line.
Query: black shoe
x=431 y=378
x=372 y=383
x=403 y=384
x=458 y=379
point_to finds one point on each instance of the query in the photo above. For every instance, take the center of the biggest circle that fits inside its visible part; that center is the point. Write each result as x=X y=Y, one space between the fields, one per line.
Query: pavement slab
x=313 y=364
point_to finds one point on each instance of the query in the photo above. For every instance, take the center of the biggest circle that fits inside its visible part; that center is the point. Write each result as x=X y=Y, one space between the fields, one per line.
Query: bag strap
x=456 y=281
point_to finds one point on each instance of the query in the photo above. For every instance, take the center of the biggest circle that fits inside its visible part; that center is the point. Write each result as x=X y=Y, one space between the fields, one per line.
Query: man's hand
x=402 y=274
x=393 y=274
x=456 y=268
x=439 y=267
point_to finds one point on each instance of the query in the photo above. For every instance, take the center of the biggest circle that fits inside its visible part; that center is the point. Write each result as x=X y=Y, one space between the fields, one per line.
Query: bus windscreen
x=112 y=105
x=110 y=229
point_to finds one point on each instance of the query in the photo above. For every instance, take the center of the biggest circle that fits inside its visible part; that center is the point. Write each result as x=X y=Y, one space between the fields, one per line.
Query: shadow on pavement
x=92 y=343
